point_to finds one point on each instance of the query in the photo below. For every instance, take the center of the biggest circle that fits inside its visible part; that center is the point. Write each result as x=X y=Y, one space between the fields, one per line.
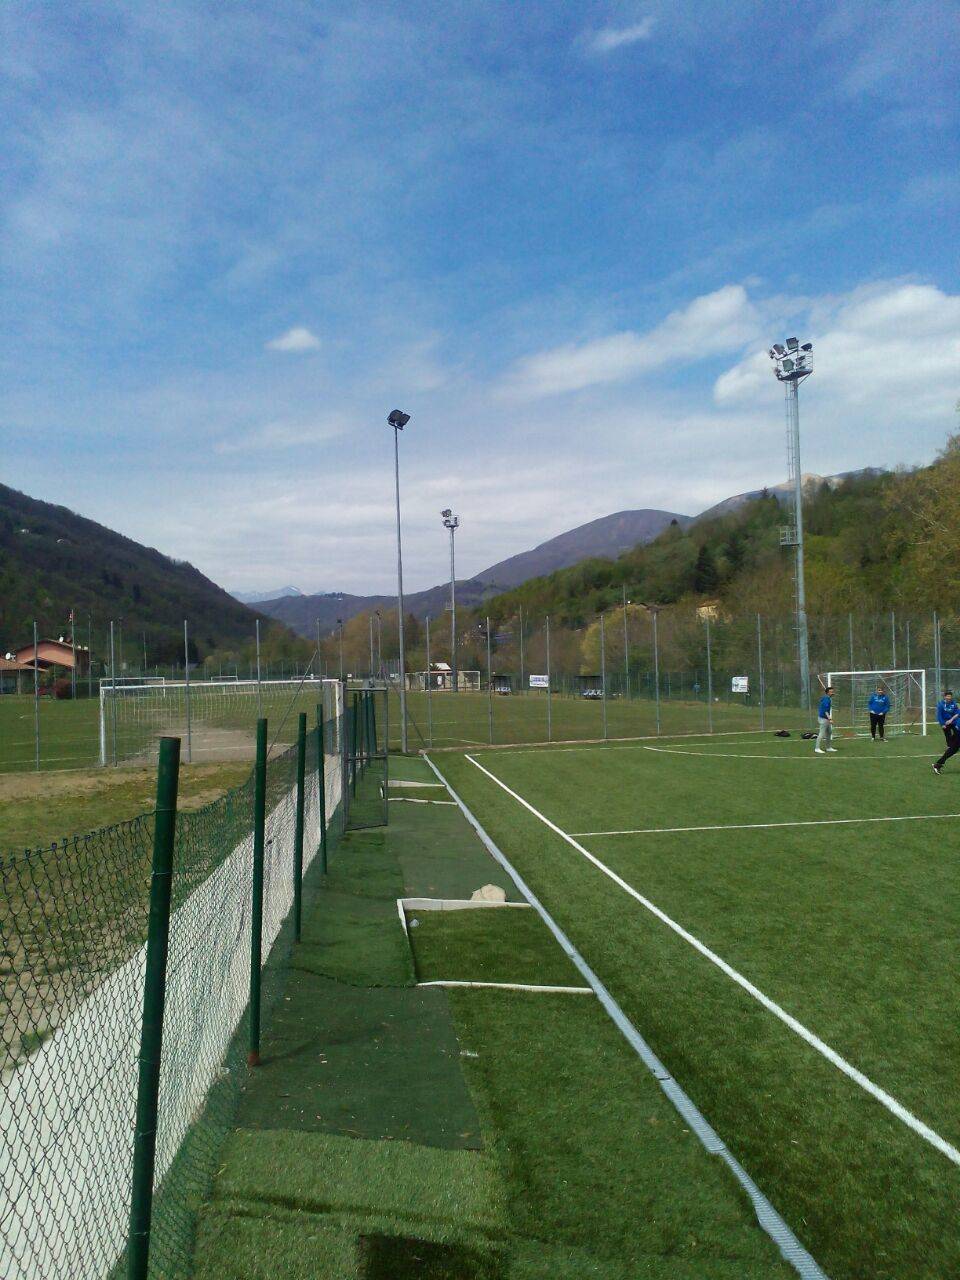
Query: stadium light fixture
x=398 y=420
x=791 y=369
x=452 y=522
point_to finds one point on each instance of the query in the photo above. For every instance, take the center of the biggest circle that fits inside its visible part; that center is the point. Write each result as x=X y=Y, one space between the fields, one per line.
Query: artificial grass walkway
x=396 y=1131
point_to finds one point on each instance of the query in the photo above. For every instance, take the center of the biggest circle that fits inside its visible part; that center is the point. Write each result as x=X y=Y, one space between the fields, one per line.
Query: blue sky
x=561 y=236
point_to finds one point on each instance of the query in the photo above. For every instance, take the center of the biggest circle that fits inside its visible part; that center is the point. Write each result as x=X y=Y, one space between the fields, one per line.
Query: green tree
x=706 y=579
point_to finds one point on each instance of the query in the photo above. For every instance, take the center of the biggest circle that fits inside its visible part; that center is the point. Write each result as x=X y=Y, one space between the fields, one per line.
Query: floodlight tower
x=452 y=522
x=398 y=420
x=792 y=363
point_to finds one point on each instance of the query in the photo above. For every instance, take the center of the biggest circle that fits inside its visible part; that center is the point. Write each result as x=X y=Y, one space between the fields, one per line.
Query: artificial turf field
x=404 y=1132
x=850 y=928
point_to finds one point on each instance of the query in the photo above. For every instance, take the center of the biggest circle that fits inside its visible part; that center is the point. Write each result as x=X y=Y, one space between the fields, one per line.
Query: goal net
x=907 y=691
x=216 y=719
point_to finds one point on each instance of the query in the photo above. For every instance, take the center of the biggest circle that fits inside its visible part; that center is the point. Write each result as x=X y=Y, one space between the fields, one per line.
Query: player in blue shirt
x=948 y=718
x=878 y=706
x=825 y=719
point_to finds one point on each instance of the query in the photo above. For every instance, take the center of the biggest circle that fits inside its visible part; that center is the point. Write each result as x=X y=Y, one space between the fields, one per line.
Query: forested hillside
x=875 y=542
x=882 y=553
x=52 y=561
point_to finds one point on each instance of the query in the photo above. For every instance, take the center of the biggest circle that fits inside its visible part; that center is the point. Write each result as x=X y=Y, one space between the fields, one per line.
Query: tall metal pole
x=803 y=645
x=893 y=638
x=36 y=700
x=259 y=690
x=521 y=650
x=143 y=636
x=186 y=672
x=403 y=668
x=603 y=677
x=656 y=666
x=113 y=698
x=429 y=685
x=936 y=652
x=319 y=665
x=452 y=523
x=379 y=645
x=549 y=684
x=709 y=682
x=89 y=655
x=626 y=645
x=760 y=687
x=907 y=638
x=73 y=652
x=340 y=642
x=370 y=629
x=850 y=629
x=489 y=685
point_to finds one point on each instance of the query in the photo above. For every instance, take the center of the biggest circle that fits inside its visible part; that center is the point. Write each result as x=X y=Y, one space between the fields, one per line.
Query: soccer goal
x=216 y=719
x=907 y=691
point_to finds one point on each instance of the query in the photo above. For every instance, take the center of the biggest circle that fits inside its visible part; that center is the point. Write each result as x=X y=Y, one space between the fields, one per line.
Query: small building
x=53 y=653
x=12 y=674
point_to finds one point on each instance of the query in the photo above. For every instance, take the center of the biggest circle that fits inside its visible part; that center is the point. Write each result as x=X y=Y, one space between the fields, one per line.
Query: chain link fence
x=634 y=672
x=74 y=925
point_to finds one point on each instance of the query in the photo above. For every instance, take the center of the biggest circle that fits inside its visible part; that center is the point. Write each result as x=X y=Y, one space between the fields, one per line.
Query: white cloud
x=888 y=352
x=296 y=340
x=281 y=435
x=718 y=322
x=610 y=38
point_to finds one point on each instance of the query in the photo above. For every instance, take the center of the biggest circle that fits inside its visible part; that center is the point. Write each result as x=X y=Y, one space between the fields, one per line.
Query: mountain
x=861 y=556
x=52 y=561
x=783 y=492
x=276 y=593
x=608 y=536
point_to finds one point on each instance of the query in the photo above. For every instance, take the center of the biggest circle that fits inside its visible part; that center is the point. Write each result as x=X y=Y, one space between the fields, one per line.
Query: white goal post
x=216 y=718
x=906 y=689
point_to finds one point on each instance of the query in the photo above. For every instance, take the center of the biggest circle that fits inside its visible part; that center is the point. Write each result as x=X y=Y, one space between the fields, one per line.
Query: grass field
x=402 y=1132
x=474 y=719
x=223 y=725
x=731 y=915
x=37 y=810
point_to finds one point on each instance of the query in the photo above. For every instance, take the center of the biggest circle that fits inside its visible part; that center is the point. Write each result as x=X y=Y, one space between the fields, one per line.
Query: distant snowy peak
x=255 y=597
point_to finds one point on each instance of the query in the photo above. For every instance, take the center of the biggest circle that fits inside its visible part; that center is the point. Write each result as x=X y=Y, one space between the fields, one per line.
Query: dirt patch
x=76 y=782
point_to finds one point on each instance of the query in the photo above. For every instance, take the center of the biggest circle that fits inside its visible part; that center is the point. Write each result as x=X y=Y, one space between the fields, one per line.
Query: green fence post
x=154 y=990
x=322 y=788
x=256 y=915
x=298 y=830
x=354 y=738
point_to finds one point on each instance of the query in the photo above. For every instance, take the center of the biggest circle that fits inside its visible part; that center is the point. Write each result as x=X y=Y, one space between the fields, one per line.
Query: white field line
x=558 y=747
x=512 y=986
x=806 y=758
x=885 y=1099
x=763 y=826
x=414 y=800
x=769 y=1219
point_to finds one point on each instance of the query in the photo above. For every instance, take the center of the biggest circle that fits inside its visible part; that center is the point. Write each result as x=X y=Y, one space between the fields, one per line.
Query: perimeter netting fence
x=73 y=930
